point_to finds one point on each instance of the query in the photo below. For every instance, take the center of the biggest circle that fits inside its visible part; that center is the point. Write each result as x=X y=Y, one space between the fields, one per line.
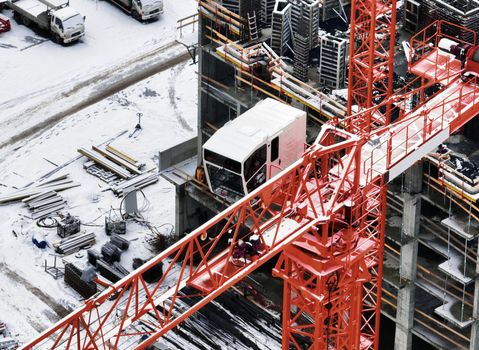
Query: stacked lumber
x=44 y=204
x=56 y=184
x=120 y=170
x=74 y=243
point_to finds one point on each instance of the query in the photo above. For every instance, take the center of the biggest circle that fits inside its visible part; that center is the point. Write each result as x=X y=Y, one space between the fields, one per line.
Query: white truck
x=63 y=23
x=141 y=10
x=249 y=150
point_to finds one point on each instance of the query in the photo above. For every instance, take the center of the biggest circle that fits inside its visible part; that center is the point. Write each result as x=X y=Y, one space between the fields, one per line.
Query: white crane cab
x=249 y=150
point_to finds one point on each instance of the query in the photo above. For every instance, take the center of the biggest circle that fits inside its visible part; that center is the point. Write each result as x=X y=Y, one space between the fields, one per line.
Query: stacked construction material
x=113 y=273
x=117 y=168
x=136 y=183
x=56 y=184
x=74 y=243
x=104 y=175
x=44 y=204
x=73 y=279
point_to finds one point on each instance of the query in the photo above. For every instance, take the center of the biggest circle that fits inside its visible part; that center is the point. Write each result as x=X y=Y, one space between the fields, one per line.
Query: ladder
x=253 y=26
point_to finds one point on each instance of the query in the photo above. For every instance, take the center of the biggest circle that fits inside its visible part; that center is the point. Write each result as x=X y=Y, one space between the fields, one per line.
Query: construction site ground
x=55 y=100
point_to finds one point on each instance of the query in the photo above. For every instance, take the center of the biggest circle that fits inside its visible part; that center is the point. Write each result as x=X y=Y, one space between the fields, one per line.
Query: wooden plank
x=39 y=196
x=108 y=164
x=122 y=155
x=120 y=161
x=19 y=195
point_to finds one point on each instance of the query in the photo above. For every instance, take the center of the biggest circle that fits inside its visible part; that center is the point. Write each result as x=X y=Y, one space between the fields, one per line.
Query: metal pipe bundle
x=74 y=243
x=137 y=182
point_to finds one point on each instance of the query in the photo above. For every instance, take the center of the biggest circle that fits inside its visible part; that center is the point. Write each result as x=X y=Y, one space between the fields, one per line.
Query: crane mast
x=371 y=62
x=324 y=215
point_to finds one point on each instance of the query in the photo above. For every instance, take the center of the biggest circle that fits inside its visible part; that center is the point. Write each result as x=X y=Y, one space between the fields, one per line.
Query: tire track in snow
x=172 y=96
x=103 y=85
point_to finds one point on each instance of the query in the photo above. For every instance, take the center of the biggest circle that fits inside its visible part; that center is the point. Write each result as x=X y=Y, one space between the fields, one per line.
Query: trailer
x=141 y=10
x=63 y=23
x=249 y=150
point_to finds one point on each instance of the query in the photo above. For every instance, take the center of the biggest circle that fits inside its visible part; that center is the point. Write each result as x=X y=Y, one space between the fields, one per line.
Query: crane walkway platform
x=395 y=148
x=439 y=66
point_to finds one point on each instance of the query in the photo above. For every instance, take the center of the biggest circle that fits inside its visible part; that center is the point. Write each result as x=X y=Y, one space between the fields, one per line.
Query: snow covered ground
x=168 y=104
x=36 y=72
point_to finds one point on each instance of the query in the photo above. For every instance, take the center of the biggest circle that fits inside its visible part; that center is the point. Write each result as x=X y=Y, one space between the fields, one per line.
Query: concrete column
x=180 y=211
x=475 y=312
x=408 y=259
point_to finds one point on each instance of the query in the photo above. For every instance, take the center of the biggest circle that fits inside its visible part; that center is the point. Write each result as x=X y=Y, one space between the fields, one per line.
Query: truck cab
x=147 y=9
x=141 y=10
x=62 y=22
x=67 y=25
x=249 y=150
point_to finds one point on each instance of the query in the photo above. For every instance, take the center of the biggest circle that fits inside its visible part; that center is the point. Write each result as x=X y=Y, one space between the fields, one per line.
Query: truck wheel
x=17 y=17
x=25 y=21
x=136 y=15
x=57 y=39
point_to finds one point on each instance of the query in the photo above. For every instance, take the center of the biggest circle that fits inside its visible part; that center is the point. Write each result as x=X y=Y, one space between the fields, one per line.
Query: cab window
x=254 y=162
x=222 y=161
x=275 y=149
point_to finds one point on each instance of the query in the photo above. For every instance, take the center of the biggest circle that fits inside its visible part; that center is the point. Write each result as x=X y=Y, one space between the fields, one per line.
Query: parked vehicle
x=4 y=24
x=63 y=23
x=141 y=10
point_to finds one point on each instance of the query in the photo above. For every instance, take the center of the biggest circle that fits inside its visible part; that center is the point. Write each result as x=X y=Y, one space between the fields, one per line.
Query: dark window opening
x=275 y=149
x=224 y=180
x=222 y=161
x=257 y=180
x=254 y=162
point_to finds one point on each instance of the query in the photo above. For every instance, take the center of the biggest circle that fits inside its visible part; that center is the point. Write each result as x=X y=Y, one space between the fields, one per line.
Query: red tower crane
x=325 y=215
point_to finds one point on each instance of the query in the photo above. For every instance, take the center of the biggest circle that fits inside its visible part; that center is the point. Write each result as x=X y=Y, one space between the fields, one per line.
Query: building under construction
x=421 y=13
x=430 y=279
x=376 y=223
